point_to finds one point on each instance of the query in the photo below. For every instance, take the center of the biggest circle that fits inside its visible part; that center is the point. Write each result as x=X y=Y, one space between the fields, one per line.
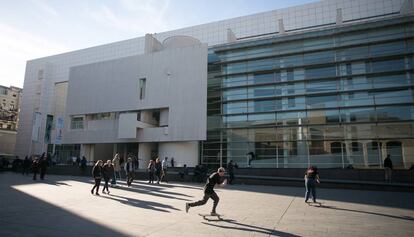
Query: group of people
x=158 y=169
x=112 y=170
x=100 y=171
x=38 y=165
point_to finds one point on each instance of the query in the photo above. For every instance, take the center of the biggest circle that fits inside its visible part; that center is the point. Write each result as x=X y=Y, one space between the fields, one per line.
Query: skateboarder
x=215 y=178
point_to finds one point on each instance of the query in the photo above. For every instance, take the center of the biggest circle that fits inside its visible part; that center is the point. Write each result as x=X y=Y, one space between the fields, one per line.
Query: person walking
x=151 y=171
x=388 y=168
x=164 y=165
x=214 y=179
x=311 y=177
x=107 y=172
x=158 y=169
x=130 y=171
x=117 y=169
x=97 y=175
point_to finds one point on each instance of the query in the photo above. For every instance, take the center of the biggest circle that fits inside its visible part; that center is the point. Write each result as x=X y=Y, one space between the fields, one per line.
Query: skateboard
x=209 y=215
x=315 y=204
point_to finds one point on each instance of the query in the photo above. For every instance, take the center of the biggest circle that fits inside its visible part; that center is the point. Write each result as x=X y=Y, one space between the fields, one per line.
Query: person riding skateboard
x=212 y=180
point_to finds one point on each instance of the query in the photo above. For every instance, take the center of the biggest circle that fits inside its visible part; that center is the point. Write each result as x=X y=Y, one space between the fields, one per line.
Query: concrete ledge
x=325 y=183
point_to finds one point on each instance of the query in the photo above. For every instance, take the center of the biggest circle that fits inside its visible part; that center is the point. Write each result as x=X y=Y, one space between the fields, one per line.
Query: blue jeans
x=310 y=185
x=113 y=179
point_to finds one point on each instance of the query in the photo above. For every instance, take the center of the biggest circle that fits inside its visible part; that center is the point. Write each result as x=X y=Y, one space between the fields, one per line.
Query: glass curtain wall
x=335 y=98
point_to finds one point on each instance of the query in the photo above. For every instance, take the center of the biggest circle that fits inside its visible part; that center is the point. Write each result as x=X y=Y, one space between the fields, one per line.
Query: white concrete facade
x=104 y=79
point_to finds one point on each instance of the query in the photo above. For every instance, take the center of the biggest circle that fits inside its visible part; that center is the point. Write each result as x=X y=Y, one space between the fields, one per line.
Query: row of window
x=315 y=132
x=312 y=72
x=361 y=98
x=77 y=122
x=325 y=153
x=377 y=114
x=354 y=70
x=272 y=149
x=329 y=42
x=316 y=87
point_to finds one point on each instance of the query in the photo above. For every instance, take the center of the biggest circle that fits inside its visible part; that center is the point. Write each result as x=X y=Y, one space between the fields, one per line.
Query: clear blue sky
x=31 y=29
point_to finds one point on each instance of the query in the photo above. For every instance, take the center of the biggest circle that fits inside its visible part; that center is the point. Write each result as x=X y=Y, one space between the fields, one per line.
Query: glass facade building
x=331 y=97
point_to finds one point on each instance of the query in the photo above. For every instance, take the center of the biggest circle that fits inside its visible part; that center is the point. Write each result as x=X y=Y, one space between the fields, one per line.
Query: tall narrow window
x=139 y=116
x=142 y=84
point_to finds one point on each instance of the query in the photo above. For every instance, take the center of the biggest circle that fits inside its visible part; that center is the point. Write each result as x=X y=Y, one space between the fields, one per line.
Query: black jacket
x=108 y=171
x=212 y=180
x=388 y=163
x=97 y=172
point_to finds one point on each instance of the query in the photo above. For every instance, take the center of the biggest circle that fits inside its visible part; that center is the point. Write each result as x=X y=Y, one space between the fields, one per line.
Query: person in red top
x=311 y=177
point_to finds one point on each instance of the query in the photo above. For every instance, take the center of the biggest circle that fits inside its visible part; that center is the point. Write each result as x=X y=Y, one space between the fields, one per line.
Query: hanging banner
x=37 y=120
x=48 y=130
x=59 y=130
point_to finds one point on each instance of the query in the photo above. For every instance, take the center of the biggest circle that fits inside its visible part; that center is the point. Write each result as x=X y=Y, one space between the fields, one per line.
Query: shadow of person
x=250 y=228
x=407 y=218
x=140 y=203
x=149 y=192
x=57 y=183
x=158 y=189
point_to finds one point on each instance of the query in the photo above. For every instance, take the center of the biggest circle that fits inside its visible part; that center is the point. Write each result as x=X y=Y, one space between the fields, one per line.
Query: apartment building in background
x=10 y=102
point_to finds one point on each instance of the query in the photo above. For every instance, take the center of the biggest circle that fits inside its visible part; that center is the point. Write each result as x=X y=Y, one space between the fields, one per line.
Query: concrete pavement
x=64 y=206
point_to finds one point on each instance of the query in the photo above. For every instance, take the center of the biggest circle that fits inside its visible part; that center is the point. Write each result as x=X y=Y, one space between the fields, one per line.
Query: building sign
x=48 y=130
x=59 y=130
x=37 y=120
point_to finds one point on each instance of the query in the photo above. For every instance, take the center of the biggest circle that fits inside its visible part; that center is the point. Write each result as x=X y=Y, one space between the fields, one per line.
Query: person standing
x=388 y=168
x=151 y=171
x=83 y=164
x=78 y=160
x=108 y=172
x=311 y=178
x=164 y=165
x=97 y=175
x=213 y=179
x=158 y=169
x=43 y=166
x=35 y=167
x=129 y=169
x=184 y=172
x=136 y=161
x=230 y=170
x=172 y=162
x=117 y=169
x=26 y=166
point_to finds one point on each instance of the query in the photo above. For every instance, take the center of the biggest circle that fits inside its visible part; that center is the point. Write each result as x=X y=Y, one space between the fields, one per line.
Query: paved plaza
x=64 y=206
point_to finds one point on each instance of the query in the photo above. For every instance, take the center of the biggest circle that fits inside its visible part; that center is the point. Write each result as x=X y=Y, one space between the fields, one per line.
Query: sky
x=32 y=29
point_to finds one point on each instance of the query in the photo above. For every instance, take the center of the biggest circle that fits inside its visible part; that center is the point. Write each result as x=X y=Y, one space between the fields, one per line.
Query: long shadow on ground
x=25 y=215
x=375 y=198
x=140 y=203
x=249 y=228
